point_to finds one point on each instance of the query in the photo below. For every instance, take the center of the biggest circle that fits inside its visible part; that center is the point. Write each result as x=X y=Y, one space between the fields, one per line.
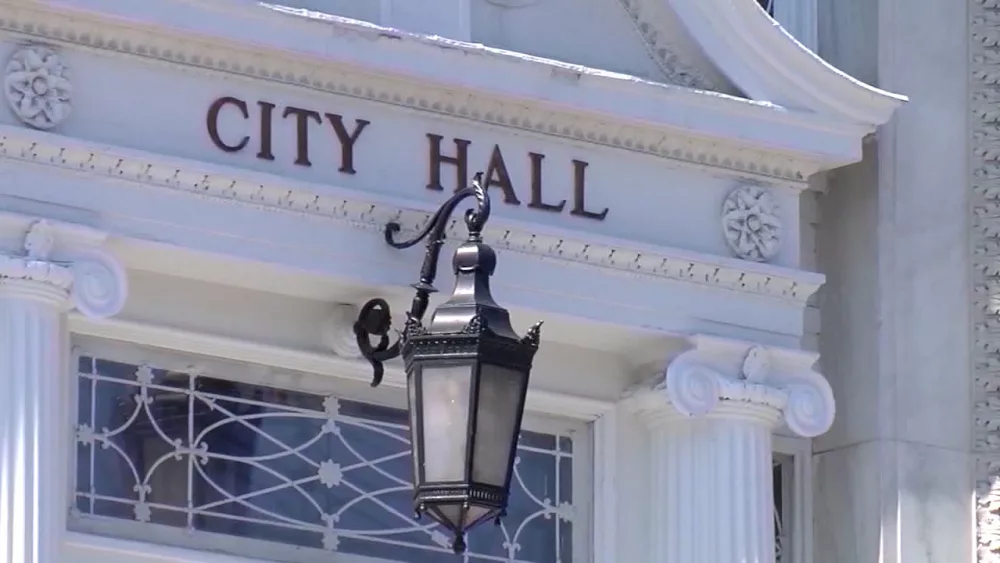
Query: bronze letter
x=579 y=206
x=346 y=140
x=212 y=121
x=536 y=186
x=302 y=132
x=502 y=180
x=266 y=108
x=460 y=161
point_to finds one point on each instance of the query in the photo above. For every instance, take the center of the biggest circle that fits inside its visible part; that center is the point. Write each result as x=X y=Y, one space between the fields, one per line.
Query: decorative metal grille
x=768 y=6
x=220 y=458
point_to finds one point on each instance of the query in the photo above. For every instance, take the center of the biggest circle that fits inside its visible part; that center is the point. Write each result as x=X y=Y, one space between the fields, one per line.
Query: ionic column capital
x=61 y=263
x=720 y=377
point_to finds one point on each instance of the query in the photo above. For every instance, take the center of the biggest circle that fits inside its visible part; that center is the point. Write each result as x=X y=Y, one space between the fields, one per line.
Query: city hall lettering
x=443 y=154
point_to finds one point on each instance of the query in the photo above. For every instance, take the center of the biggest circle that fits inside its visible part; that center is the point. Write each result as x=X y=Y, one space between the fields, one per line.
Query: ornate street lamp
x=466 y=375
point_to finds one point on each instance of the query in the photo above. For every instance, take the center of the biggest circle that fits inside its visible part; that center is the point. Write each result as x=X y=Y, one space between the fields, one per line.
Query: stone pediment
x=818 y=125
x=726 y=46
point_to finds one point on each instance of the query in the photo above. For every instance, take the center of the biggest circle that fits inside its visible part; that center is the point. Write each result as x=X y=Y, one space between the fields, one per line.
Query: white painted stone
x=238 y=257
x=35 y=293
x=37 y=86
x=711 y=454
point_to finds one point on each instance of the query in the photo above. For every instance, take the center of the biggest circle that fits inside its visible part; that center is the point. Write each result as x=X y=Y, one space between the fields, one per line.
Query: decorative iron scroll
x=213 y=456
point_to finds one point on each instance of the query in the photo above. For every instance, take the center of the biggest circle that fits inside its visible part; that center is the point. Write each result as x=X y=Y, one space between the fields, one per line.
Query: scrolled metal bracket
x=375 y=318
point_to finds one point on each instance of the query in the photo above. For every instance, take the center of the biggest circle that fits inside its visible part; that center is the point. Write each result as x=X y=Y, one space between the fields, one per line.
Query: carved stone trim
x=722 y=377
x=735 y=158
x=90 y=280
x=661 y=50
x=751 y=223
x=984 y=68
x=37 y=86
x=206 y=180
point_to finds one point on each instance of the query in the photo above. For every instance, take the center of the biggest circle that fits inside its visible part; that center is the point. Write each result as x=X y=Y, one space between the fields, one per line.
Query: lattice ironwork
x=223 y=458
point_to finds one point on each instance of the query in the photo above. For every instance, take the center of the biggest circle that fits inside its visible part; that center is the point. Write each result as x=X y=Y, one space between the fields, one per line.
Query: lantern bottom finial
x=458 y=546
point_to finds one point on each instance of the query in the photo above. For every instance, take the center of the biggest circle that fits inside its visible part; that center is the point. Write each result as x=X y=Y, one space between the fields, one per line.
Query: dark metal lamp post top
x=467 y=375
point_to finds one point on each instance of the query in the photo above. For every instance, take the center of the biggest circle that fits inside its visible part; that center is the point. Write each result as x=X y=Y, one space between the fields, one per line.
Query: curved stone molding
x=721 y=377
x=663 y=46
x=163 y=44
x=751 y=224
x=338 y=332
x=694 y=390
x=64 y=258
x=37 y=86
x=100 y=286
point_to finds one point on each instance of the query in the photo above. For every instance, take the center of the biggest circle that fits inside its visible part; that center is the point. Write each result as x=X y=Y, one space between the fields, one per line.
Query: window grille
x=217 y=463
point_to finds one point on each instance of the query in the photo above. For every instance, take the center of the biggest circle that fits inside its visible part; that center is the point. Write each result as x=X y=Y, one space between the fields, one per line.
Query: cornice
x=715 y=131
x=372 y=212
x=768 y=64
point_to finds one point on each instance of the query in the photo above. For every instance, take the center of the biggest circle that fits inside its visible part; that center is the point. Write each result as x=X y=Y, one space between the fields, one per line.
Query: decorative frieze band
x=224 y=183
x=722 y=377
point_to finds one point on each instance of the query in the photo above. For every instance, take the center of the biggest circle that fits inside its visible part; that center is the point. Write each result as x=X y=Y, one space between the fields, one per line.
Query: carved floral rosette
x=37 y=86
x=751 y=223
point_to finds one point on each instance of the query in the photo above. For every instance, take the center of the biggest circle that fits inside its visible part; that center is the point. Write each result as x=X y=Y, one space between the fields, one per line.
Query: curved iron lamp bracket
x=375 y=318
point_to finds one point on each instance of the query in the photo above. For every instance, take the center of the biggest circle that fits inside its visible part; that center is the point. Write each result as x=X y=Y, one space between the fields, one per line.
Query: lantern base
x=460 y=507
x=458 y=545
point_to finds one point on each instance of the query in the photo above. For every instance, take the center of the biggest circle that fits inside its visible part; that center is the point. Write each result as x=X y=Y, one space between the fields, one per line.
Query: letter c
x=212 y=122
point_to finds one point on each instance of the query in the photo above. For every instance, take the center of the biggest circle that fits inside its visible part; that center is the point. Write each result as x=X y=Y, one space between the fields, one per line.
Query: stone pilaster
x=710 y=417
x=57 y=267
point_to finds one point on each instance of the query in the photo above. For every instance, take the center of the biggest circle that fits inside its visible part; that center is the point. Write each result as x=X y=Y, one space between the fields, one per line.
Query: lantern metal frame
x=472 y=331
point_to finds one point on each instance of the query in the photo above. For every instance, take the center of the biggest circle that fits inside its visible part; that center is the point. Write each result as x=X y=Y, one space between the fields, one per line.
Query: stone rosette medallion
x=37 y=86
x=751 y=224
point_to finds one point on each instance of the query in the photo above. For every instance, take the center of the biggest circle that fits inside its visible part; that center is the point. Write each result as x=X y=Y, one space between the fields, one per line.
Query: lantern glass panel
x=444 y=396
x=416 y=451
x=500 y=393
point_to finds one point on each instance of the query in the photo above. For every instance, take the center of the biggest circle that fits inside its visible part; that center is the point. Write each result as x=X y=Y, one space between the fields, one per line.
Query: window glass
x=289 y=475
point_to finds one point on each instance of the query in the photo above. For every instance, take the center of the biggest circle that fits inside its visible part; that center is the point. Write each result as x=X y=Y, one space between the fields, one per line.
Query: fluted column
x=710 y=417
x=56 y=267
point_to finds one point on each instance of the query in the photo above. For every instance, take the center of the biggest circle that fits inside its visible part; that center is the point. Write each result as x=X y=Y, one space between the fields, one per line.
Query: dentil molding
x=663 y=47
x=984 y=195
x=730 y=378
x=274 y=193
x=64 y=259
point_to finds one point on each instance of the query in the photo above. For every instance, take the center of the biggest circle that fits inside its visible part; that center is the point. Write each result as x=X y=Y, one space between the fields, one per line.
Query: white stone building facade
x=767 y=276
